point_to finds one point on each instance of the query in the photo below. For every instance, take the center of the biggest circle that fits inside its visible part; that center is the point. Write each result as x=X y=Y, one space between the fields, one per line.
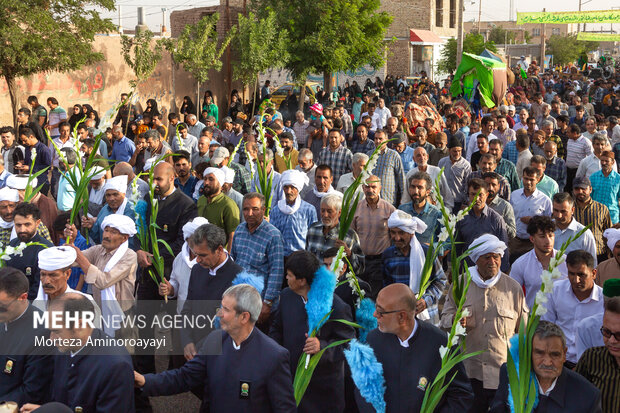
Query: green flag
x=523 y=74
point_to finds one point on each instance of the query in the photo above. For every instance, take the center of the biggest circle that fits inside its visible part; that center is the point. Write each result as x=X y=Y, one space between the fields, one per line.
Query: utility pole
x=459 y=40
x=479 y=14
x=542 y=45
x=120 y=23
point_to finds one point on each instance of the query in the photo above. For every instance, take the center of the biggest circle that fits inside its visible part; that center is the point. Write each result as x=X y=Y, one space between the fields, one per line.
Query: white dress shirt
x=376 y=120
x=585 y=242
x=589 y=165
x=588 y=334
x=384 y=114
x=565 y=310
x=528 y=206
x=527 y=270
x=472 y=146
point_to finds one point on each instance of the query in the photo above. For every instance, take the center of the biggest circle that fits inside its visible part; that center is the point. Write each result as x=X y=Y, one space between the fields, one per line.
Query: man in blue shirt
x=185 y=180
x=123 y=148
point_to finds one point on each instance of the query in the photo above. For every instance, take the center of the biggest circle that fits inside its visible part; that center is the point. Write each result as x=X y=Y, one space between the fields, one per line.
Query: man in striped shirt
x=590 y=212
x=577 y=148
x=601 y=365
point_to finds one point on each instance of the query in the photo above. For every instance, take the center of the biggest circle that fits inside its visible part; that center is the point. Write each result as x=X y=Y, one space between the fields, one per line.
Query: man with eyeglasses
x=408 y=350
x=601 y=365
x=26 y=375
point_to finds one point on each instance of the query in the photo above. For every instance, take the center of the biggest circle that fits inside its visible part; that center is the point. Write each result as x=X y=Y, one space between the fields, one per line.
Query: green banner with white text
x=563 y=17
x=598 y=37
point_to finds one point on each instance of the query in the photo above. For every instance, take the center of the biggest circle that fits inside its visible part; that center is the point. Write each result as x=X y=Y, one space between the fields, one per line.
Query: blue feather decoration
x=140 y=211
x=255 y=281
x=514 y=352
x=364 y=317
x=320 y=298
x=367 y=373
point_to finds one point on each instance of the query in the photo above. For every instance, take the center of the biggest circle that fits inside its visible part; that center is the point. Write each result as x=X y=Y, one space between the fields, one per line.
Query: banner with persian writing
x=563 y=17
x=598 y=37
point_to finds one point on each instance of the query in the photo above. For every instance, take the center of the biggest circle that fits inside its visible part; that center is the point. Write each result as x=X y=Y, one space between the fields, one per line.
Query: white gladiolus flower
x=443 y=235
x=442 y=351
x=459 y=330
x=33 y=153
x=19 y=250
x=465 y=313
x=547 y=281
x=556 y=274
x=9 y=250
x=541 y=310
x=541 y=298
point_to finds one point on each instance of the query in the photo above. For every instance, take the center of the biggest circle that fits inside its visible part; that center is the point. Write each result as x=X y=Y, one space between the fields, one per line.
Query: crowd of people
x=538 y=169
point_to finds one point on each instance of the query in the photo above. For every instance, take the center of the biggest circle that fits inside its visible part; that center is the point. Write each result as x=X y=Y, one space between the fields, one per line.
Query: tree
x=567 y=49
x=48 y=35
x=527 y=37
x=499 y=35
x=197 y=49
x=327 y=36
x=473 y=43
x=259 y=45
x=140 y=56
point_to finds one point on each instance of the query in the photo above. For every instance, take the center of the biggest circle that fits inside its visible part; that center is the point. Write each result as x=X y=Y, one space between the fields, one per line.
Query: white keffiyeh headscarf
x=613 y=236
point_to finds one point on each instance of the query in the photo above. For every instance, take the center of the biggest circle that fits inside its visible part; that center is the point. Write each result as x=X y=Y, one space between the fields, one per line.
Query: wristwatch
x=268 y=302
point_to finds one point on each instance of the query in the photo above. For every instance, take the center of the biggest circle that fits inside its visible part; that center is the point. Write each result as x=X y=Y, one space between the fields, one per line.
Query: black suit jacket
x=25 y=370
x=572 y=394
x=260 y=363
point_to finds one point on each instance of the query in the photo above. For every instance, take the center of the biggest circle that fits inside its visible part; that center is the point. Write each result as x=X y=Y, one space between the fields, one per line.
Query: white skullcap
x=295 y=178
x=191 y=226
x=99 y=173
x=149 y=163
x=56 y=258
x=20 y=182
x=229 y=175
x=9 y=194
x=118 y=183
x=122 y=223
x=401 y=219
x=488 y=243
x=613 y=236
x=219 y=174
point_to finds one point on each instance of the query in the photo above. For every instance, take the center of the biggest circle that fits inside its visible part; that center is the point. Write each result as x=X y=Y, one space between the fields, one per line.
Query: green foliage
x=197 y=47
x=567 y=49
x=527 y=36
x=499 y=35
x=48 y=35
x=327 y=36
x=472 y=43
x=259 y=45
x=140 y=55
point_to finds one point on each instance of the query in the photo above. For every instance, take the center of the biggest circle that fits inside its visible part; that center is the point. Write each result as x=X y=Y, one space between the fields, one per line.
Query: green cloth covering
x=611 y=288
x=490 y=74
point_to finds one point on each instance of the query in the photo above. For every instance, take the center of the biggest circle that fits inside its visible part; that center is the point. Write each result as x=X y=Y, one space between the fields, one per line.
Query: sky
x=491 y=9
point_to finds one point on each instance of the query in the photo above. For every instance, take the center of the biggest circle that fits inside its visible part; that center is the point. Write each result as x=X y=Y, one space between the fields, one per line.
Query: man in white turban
x=292 y=215
x=219 y=209
x=116 y=203
x=97 y=188
x=47 y=206
x=404 y=261
x=495 y=305
x=229 y=191
x=55 y=269
x=610 y=268
x=111 y=266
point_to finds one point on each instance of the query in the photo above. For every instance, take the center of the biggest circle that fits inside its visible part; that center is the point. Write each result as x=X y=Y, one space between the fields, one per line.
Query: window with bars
x=439 y=13
x=452 y=14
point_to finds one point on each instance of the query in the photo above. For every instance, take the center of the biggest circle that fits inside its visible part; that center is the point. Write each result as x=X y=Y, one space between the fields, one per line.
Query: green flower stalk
x=522 y=385
x=5 y=253
x=31 y=192
x=232 y=155
x=265 y=180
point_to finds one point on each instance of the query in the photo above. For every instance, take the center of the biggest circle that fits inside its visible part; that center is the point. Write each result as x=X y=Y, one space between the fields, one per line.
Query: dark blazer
x=28 y=263
x=99 y=378
x=572 y=394
x=260 y=363
x=25 y=370
x=204 y=294
x=325 y=392
x=408 y=371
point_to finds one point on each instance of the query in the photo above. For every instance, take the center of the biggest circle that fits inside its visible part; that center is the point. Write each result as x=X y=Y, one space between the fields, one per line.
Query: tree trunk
x=198 y=105
x=13 y=92
x=327 y=83
x=302 y=93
